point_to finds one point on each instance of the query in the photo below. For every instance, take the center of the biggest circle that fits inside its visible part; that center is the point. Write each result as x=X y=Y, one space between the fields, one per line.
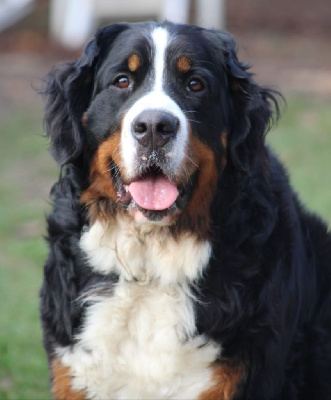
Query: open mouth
x=153 y=194
x=153 y=191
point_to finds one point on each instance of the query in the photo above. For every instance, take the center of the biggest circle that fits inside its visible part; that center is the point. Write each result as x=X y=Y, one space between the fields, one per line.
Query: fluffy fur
x=223 y=295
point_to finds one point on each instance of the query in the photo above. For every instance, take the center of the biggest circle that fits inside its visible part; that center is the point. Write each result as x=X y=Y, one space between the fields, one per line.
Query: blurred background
x=287 y=43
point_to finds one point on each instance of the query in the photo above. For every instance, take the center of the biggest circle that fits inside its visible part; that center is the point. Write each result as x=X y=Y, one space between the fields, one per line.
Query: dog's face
x=154 y=107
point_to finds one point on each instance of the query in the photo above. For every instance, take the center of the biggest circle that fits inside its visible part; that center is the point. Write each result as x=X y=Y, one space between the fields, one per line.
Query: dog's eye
x=122 y=82
x=195 y=85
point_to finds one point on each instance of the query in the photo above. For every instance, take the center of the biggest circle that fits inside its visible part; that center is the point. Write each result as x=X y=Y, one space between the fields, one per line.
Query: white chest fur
x=140 y=340
x=144 y=253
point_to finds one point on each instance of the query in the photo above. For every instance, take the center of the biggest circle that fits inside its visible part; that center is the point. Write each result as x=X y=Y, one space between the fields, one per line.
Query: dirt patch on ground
x=292 y=62
x=287 y=42
x=20 y=80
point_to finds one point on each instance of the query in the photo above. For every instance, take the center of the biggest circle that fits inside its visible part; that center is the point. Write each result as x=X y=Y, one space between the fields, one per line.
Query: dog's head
x=157 y=112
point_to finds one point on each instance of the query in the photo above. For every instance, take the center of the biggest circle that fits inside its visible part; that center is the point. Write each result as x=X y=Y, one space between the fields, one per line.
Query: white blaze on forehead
x=160 y=39
x=158 y=99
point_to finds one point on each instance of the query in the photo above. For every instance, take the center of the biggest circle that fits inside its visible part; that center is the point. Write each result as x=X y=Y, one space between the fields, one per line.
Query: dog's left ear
x=253 y=109
x=68 y=91
x=249 y=109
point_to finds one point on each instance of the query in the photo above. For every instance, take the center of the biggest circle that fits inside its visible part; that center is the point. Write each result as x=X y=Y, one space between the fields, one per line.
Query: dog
x=181 y=263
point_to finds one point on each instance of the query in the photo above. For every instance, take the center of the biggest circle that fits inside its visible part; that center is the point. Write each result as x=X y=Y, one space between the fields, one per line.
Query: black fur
x=265 y=295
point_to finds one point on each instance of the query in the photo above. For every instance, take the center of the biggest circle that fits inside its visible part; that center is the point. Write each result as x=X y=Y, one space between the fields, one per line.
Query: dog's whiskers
x=193 y=162
x=194 y=120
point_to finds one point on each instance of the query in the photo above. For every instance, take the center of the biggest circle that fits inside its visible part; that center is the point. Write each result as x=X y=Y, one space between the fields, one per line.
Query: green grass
x=302 y=139
x=25 y=179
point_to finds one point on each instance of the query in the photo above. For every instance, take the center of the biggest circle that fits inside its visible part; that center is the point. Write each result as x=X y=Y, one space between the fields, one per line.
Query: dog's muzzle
x=153 y=147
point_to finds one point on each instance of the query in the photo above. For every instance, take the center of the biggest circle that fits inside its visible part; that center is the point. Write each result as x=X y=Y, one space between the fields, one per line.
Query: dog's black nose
x=154 y=128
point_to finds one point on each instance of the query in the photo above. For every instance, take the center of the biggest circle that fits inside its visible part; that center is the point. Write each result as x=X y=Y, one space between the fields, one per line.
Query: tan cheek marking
x=184 y=64
x=101 y=191
x=224 y=141
x=198 y=209
x=133 y=62
x=61 y=383
x=235 y=86
x=226 y=380
x=84 y=120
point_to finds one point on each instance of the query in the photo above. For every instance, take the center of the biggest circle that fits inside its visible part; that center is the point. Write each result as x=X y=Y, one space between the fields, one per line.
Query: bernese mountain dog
x=181 y=263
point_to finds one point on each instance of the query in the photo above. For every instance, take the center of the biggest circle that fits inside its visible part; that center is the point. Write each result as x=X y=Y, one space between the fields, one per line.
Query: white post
x=71 y=21
x=176 y=10
x=210 y=13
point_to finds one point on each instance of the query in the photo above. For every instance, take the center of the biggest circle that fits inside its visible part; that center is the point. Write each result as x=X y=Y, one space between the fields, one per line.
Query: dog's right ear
x=68 y=90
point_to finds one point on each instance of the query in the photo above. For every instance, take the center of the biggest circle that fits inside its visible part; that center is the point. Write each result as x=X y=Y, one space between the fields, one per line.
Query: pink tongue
x=154 y=192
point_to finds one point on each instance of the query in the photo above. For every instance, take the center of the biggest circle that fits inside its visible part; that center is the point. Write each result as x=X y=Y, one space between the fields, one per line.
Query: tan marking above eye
x=184 y=64
x=133 y=62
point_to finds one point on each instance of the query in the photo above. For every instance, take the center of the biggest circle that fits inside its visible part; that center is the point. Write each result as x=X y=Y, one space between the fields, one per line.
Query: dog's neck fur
x=144 y=253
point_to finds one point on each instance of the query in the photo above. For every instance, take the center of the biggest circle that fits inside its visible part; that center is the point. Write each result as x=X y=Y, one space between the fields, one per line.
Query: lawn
x=302 y=139
x=26 y=175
